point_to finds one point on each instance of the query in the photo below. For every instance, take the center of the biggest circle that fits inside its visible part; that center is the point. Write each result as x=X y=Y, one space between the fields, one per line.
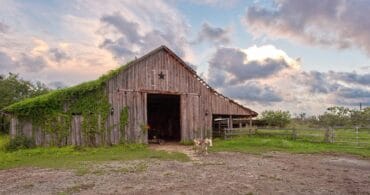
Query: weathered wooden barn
x=157 y=95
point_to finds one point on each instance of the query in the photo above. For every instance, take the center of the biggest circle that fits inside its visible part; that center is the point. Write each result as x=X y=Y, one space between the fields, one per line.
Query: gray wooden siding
x=130 y=88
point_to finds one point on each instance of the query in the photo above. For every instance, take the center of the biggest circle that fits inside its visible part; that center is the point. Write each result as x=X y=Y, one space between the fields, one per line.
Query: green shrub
x=20 y=142
x=4 y=140
x=277 y=118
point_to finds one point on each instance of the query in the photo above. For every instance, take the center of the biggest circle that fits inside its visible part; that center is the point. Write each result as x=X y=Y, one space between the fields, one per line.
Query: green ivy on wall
x=53 y=112
x=123 y=122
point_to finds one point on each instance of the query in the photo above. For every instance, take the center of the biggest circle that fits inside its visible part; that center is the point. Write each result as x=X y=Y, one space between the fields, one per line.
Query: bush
x=276 y=118
x=20 y=142
x=4 y=140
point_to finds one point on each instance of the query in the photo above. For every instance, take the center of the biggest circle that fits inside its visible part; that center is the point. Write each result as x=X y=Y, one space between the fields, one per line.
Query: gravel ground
x=216 y=173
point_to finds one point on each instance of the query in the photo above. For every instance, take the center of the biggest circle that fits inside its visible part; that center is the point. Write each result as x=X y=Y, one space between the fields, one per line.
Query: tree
x=360 y=117
x=276 y=118
x=335 y=116
x=13 y=89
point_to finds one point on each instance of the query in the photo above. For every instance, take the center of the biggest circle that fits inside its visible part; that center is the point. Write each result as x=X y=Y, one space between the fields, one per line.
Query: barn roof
x=67 y=93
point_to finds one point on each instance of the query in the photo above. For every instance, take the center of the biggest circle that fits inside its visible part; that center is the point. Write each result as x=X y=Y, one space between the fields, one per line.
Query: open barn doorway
x=164 y=117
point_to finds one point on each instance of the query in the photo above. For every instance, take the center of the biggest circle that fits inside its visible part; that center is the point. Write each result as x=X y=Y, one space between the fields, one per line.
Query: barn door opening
x=164 y=117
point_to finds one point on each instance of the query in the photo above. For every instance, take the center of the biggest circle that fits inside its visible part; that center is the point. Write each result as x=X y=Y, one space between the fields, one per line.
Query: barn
x=155 y=96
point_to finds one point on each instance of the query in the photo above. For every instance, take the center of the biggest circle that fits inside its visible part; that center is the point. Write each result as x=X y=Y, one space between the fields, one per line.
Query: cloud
x=352 y=77
x=353 y=93
x=243 y=73
x=71 y=53
x=216 y=35
x=217 y=3
x=57 y=85
x=349 y=96
x=253 y=91
x=126 y=36
x=266 y=75
x=3 y=28
x=25 y=63
x=6 y=63
x=31 y=63
x=319 y=82
x=329 y=82
x=340 y=24
x=233 y=65
x=58 y=55
x=348 y=89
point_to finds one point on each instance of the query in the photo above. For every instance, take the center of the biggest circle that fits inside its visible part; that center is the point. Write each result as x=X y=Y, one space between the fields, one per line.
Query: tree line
x=13 y=89
x=332 y=117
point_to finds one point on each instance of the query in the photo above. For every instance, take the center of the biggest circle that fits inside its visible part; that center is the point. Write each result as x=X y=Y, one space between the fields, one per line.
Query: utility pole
x=360 y=106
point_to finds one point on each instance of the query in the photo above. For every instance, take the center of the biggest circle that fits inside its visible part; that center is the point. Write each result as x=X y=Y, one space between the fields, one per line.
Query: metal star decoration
x=161 y=75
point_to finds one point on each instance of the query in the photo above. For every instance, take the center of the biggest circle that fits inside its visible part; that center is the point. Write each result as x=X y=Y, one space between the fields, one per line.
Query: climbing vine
x=52 y=112
x=123 y=122
x=58 y=125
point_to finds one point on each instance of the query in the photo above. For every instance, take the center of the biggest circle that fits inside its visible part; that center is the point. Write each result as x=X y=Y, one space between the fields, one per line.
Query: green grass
x=79 y=159
x=4 y=139
x=259 y=144
x=349 y=136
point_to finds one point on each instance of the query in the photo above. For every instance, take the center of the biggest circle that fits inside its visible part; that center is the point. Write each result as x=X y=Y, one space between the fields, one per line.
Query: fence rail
x=347 y=136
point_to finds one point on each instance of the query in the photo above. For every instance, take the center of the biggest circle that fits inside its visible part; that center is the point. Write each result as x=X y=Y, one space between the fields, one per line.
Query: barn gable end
x=159 y=72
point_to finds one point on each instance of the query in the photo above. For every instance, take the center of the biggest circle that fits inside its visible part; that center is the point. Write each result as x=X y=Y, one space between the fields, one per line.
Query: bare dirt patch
x=216 y=173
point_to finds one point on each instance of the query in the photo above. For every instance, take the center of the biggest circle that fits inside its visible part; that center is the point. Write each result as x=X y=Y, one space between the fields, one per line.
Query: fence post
x=357 y=135
x=294 y=133
x=332 y=135
x=326 y=138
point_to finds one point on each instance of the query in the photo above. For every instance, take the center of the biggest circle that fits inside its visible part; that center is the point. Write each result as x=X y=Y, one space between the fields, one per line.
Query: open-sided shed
x=157 y=95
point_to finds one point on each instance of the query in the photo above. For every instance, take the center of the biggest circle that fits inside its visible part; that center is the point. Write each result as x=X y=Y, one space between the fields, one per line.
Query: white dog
x=201 y=145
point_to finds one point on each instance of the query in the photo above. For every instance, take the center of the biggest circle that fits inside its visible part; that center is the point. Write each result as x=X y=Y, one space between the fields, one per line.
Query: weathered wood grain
x=129 y=88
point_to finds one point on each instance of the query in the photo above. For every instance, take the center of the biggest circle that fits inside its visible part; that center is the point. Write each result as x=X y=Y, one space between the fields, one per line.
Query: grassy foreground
x=70 y=157
x=258 y=145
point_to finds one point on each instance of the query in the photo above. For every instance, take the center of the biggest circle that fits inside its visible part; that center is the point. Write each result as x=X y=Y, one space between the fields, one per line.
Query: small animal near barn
x=155 y=96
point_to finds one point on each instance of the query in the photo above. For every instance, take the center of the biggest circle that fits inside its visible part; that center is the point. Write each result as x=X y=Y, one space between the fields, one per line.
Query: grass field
x=345 y=136
x=263 y=141
x=70 y=157
x=258 y=144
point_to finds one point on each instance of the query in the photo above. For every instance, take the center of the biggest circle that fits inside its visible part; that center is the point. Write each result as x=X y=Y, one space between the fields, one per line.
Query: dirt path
x=216 y=173
x=175 y=147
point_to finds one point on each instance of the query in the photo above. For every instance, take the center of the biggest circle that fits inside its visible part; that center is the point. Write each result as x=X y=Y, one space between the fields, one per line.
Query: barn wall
x=129 y=90
x=198 y=102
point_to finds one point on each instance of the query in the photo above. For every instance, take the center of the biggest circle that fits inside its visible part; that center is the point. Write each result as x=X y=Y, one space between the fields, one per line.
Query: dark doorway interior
x=164 y=117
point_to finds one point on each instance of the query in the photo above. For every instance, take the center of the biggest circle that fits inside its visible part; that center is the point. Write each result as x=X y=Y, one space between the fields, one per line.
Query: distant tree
x=302 y=116
x=335 y=116
x=276 y=118
x=13 y=89
x=313 y=121
x=360 y=117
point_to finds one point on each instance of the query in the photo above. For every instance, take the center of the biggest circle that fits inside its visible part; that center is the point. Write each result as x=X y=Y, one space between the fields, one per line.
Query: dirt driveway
x=216 y=173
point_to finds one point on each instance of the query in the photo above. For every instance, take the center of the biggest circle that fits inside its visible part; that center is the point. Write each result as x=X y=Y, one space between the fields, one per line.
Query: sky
x=296 y=55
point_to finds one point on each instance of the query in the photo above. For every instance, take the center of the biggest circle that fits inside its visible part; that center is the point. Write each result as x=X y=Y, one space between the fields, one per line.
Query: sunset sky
x=295 y=55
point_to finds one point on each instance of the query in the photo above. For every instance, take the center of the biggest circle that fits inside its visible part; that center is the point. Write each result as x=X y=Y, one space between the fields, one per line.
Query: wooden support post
x=13 y=127
x=230 y=124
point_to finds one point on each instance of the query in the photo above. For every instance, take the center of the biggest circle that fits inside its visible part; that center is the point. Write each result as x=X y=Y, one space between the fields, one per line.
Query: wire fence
x=354 y=136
